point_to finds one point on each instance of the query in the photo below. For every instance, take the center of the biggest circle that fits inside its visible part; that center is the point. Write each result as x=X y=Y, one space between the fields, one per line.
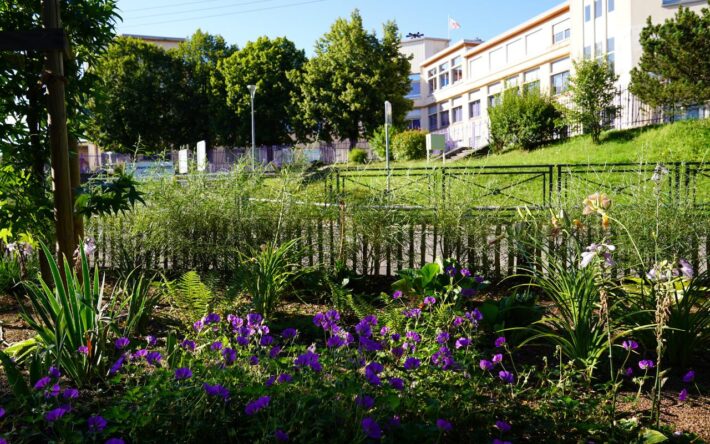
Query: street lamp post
x=388 y=123
x=252 y=91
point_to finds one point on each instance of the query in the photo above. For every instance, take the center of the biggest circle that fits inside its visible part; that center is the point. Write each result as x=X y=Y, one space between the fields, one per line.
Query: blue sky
x=303 y=21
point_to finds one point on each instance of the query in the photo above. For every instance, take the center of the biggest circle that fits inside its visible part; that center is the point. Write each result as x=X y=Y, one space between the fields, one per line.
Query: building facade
x=461 y=81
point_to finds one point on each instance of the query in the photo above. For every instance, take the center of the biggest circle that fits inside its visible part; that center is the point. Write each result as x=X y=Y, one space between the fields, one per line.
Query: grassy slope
x=682 y=141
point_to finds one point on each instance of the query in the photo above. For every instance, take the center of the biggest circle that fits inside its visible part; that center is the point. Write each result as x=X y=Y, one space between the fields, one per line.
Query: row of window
x=598 y=9
x=599 y=50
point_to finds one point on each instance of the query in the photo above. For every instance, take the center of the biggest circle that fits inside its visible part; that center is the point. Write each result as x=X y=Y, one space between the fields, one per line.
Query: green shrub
x=523 y=120
x=409 y=145
x=357 y=155
x=378 y=141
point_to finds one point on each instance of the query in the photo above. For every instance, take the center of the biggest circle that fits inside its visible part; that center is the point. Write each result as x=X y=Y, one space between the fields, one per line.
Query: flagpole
x=448 y=27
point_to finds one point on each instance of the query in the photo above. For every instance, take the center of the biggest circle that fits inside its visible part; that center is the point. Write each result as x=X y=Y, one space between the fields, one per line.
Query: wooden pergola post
x=58 y=137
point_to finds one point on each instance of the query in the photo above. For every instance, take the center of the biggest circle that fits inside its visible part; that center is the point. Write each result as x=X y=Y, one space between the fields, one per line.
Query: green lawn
x=682 y=141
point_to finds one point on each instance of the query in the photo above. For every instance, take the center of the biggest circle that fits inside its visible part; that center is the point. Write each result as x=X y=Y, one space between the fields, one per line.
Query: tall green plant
x=268 y=274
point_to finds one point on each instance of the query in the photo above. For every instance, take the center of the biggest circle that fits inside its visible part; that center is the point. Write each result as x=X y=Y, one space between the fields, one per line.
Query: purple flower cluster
x=216 y=390
x=256 y=405
x=308 y=359
x=372 y=370
x=328 y=321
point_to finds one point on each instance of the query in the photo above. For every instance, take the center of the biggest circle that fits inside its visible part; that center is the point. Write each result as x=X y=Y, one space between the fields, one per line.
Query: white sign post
x=201 y=155
x=435 y=142
x=388 y=122
x=182 y=162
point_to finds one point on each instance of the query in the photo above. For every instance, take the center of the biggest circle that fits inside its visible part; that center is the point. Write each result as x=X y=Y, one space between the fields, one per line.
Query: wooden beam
x=34 y=39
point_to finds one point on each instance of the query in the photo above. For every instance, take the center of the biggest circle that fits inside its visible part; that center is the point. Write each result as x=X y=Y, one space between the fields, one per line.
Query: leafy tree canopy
x=343 y=88
x=592 y=89
x=675 y=65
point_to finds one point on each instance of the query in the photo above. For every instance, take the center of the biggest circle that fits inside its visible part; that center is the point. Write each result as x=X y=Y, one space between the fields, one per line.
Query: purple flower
x=685 y=268
x=212 y=318
x=371 y=371
x=2 y=412
x=154 y=358
x=497 y=358
x=115 y=441
x=253 y=360
x=141 y=353
x=96 y=424
x=462 y=342
x=83 y=349
x=289 y=333
x=285 y=378
x=280 y=435
x=683 y=395
x=274 y=352
x=308 y=359
x=371 y=428
x=365 y=401
x=152 y=340
x=500 y=341
x=503 y=426
x=256 y=405
x=117 y=365
x=121 y=343
x=384 y=331
x=363 y=329
x=458 y=320
x=443 y=358
x=411 y=363
x=444 y=425
x=269 y=382
x=56 y=414
x=500 y=441
x=468 y=292
x=689 y=377
x=254 y=319
x=451 y=271
x=42 y=382
x=229 y=355
x=54 y=372
x=630 y=344
x=216 y=345
x=474 y=316
x=266 y=340
x=443 y=337
x=629 y=372
x=396 y=337
x=216 y=390
x=506 y=376
x=198 y=325
x=429 y=300
x=243 y=341
x=486 y=365
x=53 y=392
x=183 y=373
x=645 y=364
x=398 y=352
x=397 y=383
x=70 y=393
x=397 y=294
x=335 y=342
x=465 y=272
x=413 y=336
x=412 y=313
x=393 y=422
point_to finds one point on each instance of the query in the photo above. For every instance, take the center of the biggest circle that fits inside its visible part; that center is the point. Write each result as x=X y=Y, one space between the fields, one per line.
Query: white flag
x=453 y=24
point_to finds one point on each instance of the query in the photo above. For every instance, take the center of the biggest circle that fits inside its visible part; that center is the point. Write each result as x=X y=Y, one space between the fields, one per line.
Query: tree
x=212 y=120
x=267 y=64
x=675 y=65
x=143 y=99
x=343 y=88
x=523 y=120
x=592 y=89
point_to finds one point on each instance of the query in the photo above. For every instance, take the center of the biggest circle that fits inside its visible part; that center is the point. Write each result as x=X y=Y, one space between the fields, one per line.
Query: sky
x=304 y=21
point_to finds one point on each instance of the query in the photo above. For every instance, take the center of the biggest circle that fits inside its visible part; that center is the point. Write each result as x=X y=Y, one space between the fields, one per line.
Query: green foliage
x=343 y=88
x=136 y=76
x=271 y=65
x=139 y=297
x=191 y=295
x=674 y=69
x=108 y=195
x=409 y=145
x=516 y=310
x=268 y=274
x=212 y=120
x=357 y=155
x=70 y=314
x=378 y=141
x=592 y=89
x=523 y=120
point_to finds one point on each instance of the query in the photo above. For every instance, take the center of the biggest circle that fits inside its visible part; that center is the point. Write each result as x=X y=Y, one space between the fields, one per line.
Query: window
x=456 y=69
x=610 y=44
x=559 y=82
x=610 y=47
x=587 y=13
x=561 y=32
x=532 y=75
x=444 y=80
x=597 y=8
x=477 y=67
x=532 y=86
x=587 y=52
x=536 y=42
x=414 y=124
x=474 y=109
x=444 y=118
x=493 y=100
x=497 y=58
x=610 y=5
x=457 y=114
x=516 y=51
x=431 y=74
x=415 y=85
x=598 y=49
x=511 y=82
x=433 y=118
